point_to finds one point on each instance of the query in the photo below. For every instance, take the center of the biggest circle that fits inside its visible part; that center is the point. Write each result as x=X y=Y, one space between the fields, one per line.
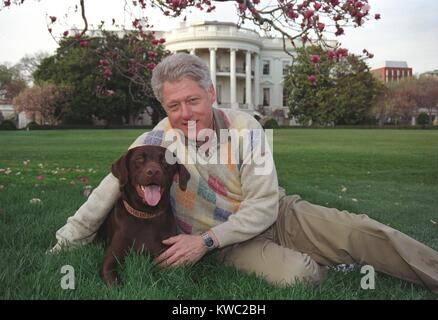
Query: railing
x=227 y=69
x=227 y=105
x=214 y=30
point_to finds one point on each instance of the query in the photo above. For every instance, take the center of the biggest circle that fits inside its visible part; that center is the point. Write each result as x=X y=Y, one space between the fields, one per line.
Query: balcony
x=225 y=71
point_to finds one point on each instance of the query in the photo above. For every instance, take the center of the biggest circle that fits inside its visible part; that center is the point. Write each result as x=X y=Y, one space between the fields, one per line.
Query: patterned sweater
x=231 y=199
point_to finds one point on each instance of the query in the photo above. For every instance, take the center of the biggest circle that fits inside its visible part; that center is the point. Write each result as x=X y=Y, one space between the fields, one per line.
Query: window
x=286 y=65
x=244 y=95
x=266 y=67
x=266 y=97
x=219 y=94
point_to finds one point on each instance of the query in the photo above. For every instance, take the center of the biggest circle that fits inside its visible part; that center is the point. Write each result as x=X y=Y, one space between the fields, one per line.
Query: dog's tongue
x=152 y=195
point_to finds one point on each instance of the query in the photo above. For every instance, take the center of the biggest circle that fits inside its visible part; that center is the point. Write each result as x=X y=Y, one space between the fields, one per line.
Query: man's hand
x=184 y=249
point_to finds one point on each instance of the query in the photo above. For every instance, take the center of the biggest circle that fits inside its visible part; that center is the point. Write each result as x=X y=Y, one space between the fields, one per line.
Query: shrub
x=271 y=124
x=33 y=126
x=8 y=125
x=423 y=119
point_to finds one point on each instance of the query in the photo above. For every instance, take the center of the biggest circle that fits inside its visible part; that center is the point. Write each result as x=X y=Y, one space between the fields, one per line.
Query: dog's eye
x=139 y=160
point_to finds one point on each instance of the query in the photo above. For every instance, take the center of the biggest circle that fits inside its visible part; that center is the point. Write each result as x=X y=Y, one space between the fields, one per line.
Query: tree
x=29 y=63
x=402 y=96
x=296 y=21
x=293 y=20
x=423 y=119
x=109 y=76
x=46 y=102
x=402 y=100
x=425 y=94
x=11 y=82
x=332 y=88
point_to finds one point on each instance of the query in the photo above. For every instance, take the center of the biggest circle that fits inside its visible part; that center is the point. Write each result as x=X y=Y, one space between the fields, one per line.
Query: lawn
x=392 y=175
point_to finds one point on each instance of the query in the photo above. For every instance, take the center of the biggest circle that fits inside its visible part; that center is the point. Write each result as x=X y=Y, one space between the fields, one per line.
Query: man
x=242 y=213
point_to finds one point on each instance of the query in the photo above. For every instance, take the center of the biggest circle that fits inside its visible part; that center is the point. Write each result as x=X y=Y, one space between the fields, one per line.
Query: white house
x=246 y=69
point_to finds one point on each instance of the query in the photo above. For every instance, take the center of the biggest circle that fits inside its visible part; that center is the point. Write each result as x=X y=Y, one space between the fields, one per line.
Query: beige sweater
x=232 y=199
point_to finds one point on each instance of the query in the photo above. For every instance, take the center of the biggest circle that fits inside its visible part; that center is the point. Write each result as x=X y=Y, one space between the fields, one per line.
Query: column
x=248 y=80
x=233 y=92
x=256 y=79
x=277 y=76
x=213 y=66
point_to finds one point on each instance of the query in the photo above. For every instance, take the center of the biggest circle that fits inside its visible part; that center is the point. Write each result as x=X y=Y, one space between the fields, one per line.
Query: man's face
x=184 y=100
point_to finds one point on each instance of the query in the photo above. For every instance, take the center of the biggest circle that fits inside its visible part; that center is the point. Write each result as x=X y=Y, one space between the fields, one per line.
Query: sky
x=408 y=30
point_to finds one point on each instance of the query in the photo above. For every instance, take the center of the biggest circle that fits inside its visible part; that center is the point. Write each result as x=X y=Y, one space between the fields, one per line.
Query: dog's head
x=146 y=170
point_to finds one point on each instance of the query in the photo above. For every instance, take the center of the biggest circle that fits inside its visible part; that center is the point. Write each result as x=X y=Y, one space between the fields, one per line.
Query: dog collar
x=139 y=214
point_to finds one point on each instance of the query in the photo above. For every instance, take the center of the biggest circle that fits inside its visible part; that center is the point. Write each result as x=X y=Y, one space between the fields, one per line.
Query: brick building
x=393 y=71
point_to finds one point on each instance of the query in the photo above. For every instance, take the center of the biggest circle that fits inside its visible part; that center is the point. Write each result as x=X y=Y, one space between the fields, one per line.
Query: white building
x=7 y=110
x=246 y=69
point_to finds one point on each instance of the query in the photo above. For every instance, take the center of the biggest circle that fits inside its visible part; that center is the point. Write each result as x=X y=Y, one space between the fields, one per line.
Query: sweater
x=234 y=198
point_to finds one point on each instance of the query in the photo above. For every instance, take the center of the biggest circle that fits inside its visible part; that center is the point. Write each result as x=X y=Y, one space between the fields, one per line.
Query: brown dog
x=142 y=217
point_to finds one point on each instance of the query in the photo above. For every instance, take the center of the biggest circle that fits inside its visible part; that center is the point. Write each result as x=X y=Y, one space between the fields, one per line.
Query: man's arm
x=81 y=228
x=259 y=207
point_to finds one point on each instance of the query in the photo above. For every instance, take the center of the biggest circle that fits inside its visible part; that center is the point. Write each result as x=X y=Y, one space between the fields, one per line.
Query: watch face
x=208 y=241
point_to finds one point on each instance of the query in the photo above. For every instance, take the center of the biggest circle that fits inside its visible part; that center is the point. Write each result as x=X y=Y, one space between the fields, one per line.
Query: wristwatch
x=208 y=241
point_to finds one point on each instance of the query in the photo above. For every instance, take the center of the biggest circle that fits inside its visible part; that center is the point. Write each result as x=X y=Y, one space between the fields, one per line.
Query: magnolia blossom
x=314 y=58
x=35 y=201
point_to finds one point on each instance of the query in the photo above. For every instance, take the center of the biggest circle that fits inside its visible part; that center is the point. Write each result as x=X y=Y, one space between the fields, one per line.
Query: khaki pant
x=306 y=238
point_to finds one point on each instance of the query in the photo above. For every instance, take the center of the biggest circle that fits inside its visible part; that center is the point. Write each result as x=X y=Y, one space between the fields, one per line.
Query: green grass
x=392 y=174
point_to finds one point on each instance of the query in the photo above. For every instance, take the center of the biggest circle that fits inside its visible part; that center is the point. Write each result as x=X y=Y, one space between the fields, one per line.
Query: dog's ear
x=120 y=169
x=184 y=176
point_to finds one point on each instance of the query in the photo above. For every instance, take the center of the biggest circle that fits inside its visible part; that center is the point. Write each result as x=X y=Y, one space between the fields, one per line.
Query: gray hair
x=177 y=66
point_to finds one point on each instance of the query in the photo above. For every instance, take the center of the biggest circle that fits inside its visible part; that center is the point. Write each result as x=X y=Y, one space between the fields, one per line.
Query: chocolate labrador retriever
x=142 y=217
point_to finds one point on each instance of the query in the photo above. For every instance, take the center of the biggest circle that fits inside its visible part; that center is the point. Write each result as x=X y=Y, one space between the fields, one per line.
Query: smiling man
x=241 y=213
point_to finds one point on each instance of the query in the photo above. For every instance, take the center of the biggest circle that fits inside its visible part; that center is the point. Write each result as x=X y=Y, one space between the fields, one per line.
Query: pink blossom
x=321 y=26
x=339 y=31
x=150 y=66
x=377 y=16
x=331 y=55
x=314 y=58
x=65 y=34
x=84 y=43
x=312 y=78
x=53 y=19
x=308 y=14
x=342 y=52
x=317 y=6
x=107 y=72
x=103 y=62
x=40 y=178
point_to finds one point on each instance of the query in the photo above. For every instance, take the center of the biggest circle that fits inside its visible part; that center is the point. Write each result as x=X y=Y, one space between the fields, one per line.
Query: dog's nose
x=152 y=172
